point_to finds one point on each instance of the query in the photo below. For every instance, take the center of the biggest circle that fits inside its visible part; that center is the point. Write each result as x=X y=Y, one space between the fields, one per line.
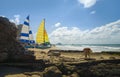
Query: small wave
x=94 y=48
x=117 y=48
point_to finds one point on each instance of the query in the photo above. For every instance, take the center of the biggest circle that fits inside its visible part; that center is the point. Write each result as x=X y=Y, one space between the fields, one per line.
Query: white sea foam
x=95 y=48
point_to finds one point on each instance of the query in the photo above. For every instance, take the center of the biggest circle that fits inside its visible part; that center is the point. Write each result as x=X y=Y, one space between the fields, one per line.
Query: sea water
x=94 y=47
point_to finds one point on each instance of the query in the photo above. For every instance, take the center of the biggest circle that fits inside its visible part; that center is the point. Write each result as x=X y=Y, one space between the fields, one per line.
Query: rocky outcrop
x=10 y=47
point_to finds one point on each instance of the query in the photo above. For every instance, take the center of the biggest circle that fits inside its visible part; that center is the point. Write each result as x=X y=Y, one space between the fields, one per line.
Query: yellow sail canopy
x=46 y=37
x=42 y=36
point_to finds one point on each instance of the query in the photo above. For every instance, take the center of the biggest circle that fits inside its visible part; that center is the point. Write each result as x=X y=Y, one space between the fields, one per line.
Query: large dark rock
x=52 y=71
x=8 y=41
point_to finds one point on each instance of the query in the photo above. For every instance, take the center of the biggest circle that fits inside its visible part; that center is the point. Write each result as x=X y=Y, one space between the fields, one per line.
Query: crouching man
x=87 y=52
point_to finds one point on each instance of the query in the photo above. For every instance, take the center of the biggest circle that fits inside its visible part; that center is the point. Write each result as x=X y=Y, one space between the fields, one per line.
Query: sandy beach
x=69 y=60
x=42 y=53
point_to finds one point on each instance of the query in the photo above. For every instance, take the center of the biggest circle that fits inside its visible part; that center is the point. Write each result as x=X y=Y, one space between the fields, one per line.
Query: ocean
x=94 y=47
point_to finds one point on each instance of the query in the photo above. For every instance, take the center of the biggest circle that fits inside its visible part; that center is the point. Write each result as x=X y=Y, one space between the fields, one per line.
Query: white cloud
x=16 y=19
x=92 y=12
x=2 y=16
x=87 y=3
x=57 y=24
x=34 y=35
x=106 y=34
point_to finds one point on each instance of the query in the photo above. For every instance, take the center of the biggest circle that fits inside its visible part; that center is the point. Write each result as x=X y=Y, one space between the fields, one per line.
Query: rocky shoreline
x=103 y=68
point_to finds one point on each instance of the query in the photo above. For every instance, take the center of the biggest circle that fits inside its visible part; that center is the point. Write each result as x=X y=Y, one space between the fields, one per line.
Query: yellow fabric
x=42 y=36
x=46 y=37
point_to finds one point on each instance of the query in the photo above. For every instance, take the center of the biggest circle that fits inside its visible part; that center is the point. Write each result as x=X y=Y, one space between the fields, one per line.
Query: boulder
x=52 y=71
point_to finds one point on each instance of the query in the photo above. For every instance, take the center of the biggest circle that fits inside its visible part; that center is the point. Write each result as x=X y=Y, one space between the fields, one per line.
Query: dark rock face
x=52 y=72
x=105 y=69
x=8 y=42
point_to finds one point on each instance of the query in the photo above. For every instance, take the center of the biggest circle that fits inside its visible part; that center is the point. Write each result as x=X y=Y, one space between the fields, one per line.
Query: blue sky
x=84 y=15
